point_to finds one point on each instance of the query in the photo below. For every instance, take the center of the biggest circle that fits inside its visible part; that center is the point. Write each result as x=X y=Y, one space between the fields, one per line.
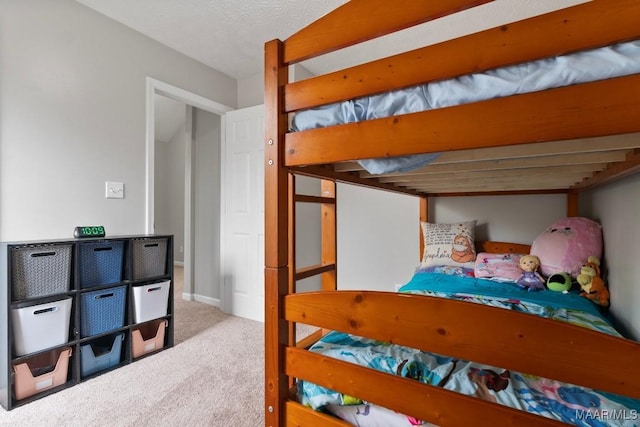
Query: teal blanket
x=452 y=285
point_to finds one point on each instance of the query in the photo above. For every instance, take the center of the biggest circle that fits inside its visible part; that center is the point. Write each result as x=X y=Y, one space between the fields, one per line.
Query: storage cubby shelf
x=90 y=291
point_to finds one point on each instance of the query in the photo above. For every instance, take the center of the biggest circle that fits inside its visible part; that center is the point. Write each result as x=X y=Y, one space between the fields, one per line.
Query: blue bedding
x=450 y=285
x=581 y=67
x=565 y=402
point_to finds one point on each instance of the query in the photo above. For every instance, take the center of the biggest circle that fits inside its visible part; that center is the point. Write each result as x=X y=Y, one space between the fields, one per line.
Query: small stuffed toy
x=559 y=282
x=591 y=282
x=530 y=280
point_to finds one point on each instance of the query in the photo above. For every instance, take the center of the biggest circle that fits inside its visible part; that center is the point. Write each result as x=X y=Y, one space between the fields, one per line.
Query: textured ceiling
x=229 y=35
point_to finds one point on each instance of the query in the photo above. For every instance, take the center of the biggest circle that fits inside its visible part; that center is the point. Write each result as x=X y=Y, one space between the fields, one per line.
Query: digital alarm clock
x=89 y=231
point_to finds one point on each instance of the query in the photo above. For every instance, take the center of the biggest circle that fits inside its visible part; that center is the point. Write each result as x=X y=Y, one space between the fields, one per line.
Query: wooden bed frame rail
x=601 y=108
x=509 y=340
x=544 y=36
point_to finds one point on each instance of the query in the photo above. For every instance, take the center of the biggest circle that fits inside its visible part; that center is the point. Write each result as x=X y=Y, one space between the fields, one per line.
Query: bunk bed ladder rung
x=313 y=270
x=328 y=263
x=301 y=198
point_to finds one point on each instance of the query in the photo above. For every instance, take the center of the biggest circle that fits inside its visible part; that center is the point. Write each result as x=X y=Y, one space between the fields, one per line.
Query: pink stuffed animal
x=565 y=245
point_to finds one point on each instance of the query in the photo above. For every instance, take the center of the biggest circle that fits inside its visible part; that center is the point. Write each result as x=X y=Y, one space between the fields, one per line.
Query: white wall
x=72 y=116
x=207 y=135
x=379 y=235
x=516 y=219
x=377 y=238
x=251 y=91
x=169 y=190
x=617 y=207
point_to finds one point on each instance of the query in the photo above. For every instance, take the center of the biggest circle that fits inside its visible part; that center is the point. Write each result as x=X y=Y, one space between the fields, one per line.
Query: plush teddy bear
x=591 y=282
x=530 y=280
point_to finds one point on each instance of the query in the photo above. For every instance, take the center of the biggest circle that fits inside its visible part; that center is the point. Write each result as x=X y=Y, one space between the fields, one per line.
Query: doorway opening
x=191 y=103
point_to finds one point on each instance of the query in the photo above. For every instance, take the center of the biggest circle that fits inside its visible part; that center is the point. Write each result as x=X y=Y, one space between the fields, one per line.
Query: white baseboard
x=200 y=298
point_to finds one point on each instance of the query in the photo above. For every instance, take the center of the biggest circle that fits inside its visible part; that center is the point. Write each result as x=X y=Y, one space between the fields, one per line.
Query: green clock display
x=89 y=231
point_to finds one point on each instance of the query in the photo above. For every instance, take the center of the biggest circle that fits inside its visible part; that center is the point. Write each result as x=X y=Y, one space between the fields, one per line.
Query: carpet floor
x=213 y=376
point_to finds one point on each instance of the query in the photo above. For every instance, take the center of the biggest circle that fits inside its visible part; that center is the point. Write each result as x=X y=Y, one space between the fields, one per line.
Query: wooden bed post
x=291 y=241
x=276 y=235
x=573 y=205
x=329 y=239
x=424 y=217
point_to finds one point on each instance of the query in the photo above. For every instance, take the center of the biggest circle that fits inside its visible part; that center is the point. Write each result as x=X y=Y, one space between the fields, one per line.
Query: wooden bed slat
x=319 y=172
x=497 y=193
x=500 y=173
x=629 y=166
x=444 y=327
x=497 y=189
x=599 y=108
x=552 y=149
x=345 y=26
x=407 y=396
x=559 y=32
x=541 y=149
x=517 y=181
x=602 y=158
x=300 y=416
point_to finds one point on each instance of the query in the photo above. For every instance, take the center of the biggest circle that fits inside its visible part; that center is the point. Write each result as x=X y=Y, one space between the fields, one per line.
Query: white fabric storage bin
x=40 y=326
x=150 y=301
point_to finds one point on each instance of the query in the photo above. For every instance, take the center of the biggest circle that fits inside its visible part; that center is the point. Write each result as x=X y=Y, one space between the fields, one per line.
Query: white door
x=243 y=227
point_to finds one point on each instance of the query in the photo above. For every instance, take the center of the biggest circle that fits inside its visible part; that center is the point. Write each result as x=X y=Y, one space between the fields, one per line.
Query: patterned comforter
x=553 y=399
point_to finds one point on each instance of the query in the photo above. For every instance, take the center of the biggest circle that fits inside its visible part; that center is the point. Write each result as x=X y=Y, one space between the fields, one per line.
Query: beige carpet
x=213 y=376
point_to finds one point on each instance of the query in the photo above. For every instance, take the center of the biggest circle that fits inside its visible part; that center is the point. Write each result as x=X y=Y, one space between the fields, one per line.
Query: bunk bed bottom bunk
x=552 y=399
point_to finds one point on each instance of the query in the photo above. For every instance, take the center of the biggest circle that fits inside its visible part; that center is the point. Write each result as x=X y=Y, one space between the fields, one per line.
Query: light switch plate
x=114 y=190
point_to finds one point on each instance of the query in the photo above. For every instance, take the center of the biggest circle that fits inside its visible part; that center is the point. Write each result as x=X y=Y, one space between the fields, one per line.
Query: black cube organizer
x=72 y=306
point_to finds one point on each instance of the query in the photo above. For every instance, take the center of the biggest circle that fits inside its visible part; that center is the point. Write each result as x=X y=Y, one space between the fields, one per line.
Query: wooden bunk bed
x=557 y=141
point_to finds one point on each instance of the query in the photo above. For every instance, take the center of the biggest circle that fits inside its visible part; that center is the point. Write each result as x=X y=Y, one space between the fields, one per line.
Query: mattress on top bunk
x=581 y=67
x=553 y=399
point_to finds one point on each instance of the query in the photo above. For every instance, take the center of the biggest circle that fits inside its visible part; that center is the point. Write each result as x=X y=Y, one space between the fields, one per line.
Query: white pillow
x=449 y=244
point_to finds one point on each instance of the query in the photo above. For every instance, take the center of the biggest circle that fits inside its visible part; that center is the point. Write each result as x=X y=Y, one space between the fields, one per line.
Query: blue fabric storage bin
x=101 y=354
x=100 y=263
x=102 y=311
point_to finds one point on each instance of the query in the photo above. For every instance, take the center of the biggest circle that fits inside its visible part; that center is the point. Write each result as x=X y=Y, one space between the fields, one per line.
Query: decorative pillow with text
x=449 y=244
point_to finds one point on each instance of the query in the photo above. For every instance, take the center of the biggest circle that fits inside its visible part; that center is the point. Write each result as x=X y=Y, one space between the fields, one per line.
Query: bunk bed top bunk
x=561 y=139
x=583 y=117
